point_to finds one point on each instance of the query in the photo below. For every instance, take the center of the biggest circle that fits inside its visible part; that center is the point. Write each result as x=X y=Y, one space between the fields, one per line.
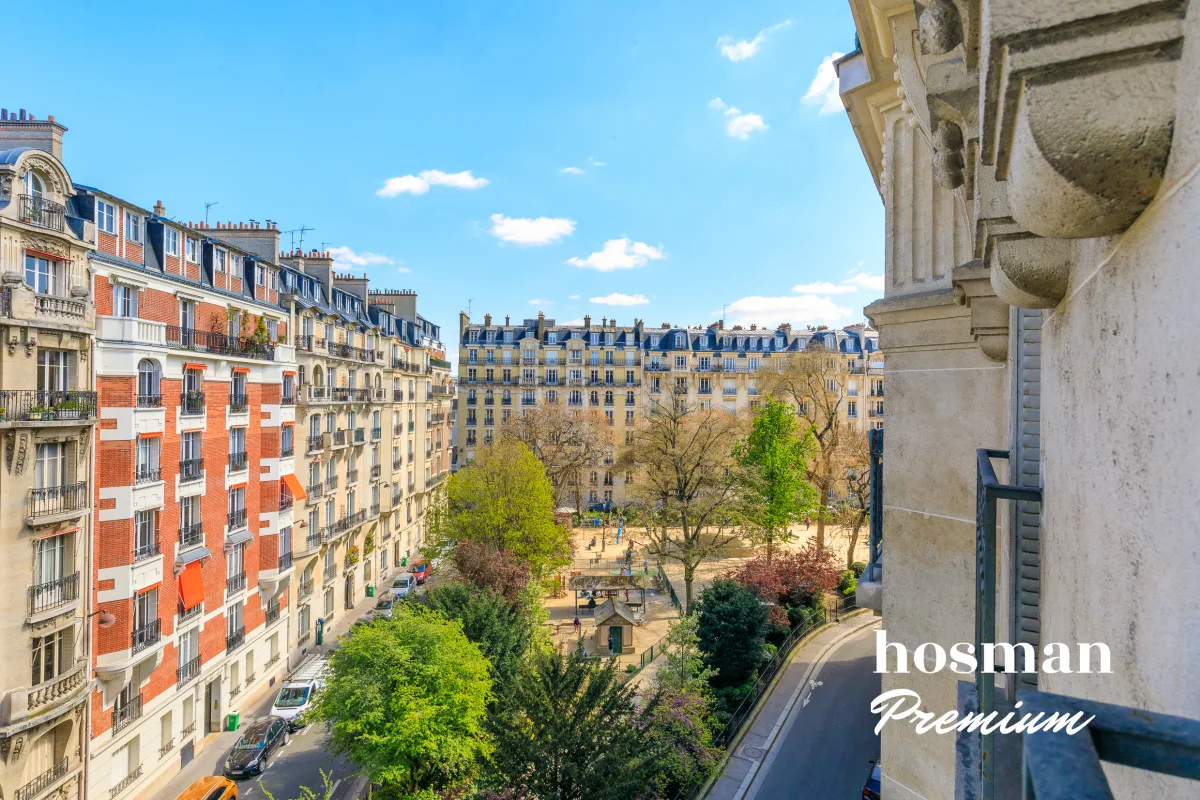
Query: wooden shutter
x=1026 y=461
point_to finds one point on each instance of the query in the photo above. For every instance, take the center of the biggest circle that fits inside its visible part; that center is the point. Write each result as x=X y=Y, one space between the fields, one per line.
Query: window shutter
x=1026 y=549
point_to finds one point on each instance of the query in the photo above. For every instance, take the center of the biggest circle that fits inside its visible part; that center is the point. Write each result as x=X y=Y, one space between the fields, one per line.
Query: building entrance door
x=350 y=591
x=212 y=703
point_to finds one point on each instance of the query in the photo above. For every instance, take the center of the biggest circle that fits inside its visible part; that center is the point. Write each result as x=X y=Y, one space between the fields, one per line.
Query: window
x=219 y=260
x=680 y=361
x=50 y=466
x=106 y=217
x=51 y=656
x=44 y=275
x=145 y=534
x=148 y=383
x=171 y=242
x=192 y=247
x=147 y=458
x=145 y=608
x=50 y=564
x=233 y=617
x=125 y=301
x=851 y=409
x=260 y=275
x=52 y=370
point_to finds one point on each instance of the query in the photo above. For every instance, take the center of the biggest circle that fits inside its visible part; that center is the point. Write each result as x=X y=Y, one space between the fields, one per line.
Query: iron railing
x=51 y=594
x=192 y=403
x=272 y=615
x=149 y=401
x=285 y=562
x=190 y=613
x=376 y=434
x=305 y=589
x=238 y=461
x=147 y=474
x=234 y=640
x=44 y=213
x=316 y=443
x=47 y=406
x=339 y=438
x=44 y=781
x=147 y=550
x=351 y=476
x=191 y=535
x=286 y=501
x=287 y=450
x=289 y=399
x=218 y=343
x=360 y=435
x=125 y=782
x=191 y=469
x=186 y=672
x=238 y=403
x=331 y=483
x=147 y=635
x=874 y=570
x=316 y=490
x=989 y=490
x=126 y=714
x=58 y=500
x=376 y=471
x=237 y=518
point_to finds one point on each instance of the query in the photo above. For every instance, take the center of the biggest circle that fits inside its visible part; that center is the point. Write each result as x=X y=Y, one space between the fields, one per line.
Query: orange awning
x=151 y=435
x=191 y=585
x=189 y=365
x=240 y=369
x=289 y=372
x=293 y=484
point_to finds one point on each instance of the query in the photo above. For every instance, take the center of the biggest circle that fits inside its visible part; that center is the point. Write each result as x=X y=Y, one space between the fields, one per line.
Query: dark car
x=871 y=787
x=383 y=607
x=258 y=743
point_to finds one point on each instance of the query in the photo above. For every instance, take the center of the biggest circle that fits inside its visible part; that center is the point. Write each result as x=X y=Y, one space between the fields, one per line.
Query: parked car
x=214 y=787
x=403 y=583
x=299 y=691
x=258 y=743
x=383 y=607
x=871 y=787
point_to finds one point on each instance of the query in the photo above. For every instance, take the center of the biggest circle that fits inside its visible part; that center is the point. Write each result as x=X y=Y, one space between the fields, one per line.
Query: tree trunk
x=853 y=544
x=821 y=529
x=770 y=546
x=689 y=574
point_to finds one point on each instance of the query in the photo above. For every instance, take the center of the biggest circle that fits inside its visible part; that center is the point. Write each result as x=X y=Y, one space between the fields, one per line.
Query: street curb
x=737 y=740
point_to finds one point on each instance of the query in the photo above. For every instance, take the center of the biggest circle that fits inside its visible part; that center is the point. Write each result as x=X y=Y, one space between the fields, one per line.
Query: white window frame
x=192 y=249
x=171 y=242
x=106 y=217
x=219 y=260
x=133 y=227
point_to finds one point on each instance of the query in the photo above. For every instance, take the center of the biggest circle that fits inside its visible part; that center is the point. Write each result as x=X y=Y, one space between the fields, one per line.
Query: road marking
x=333 y=790
x=249 y=791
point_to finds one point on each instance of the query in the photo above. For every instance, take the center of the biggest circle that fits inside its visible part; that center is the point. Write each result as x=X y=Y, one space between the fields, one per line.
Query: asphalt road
x=824 y=748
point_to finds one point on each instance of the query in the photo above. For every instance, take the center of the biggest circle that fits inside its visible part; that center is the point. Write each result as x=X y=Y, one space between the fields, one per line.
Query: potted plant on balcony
x=351 y=555
x=3 y=414
x=70 y=408
x=38 y=412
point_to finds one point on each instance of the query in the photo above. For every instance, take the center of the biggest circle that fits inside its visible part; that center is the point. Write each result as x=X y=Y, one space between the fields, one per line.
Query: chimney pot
x=22 y=115
x=51 y=118
x=3 y=113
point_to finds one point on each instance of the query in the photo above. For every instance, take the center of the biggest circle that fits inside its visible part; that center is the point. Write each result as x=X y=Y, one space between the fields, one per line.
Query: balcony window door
x=145 y=533
x=51 y=656
x=237 y=440
x=145 y=609
x=50 y=565
x=233 y=621
x=285 y=541
x=53 y=374
x=190 y=448
x=193 y=381
x=147 y=456
x=237 y=501
x=148 y=379
x=189 y=646
x=50 y=468
x=125 y=301
x=45 y=275
x=314 y=425
x=187 y=314
x=285 y=438
x=235 y=563
x=189 y=512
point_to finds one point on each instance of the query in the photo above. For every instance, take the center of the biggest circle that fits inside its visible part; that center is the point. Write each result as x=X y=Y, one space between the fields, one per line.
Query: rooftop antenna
x=469 y=301
x=207 y=206
x=301 y=230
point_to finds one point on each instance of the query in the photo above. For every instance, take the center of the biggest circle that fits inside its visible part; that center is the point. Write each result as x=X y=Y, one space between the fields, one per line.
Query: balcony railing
x=188 y=671
x=125 y=782
x=330 y=572
x=316 y=490
x=351 y=476
x=285 y=562
x=272 y=615
x=339 y=438
x=376 y=471
x=376 y=434
x=988 y=492
x=147 y=474
x=192 y=403
x=52 y=594
x=286 y=501
x=44 y=781
x=147 y=550
x=126 y=714
x=237 y=518
x=191 y=535
x=304 y=343
x=331 y=483
x=147 y=635
x=191 y=613
x=360 y=435
x=149 y=401
x=44 y=213
x=306 y=587
x=316 y=443
x=237 y=461
x=396 y=465
x=47 y=406
x=238 y=403
x=58 y=500
x=234 y=640
x=166 y=747
x=235 y=584
x=218 y=343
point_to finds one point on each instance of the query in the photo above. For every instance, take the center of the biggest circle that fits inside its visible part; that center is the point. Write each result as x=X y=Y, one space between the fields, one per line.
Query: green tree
x=773 y=461
x=503 y=500
x=682 y=668
x=680 y=729
x=572 y=731
x=732 y=632
x=503 y=630
x=406 y=700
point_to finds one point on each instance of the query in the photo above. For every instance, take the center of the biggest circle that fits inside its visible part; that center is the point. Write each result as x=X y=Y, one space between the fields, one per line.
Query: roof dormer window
x=680 y=340
x=34 y=186
x=219 y=260
x=133 y=227
x=778 y=342
x=106 y=217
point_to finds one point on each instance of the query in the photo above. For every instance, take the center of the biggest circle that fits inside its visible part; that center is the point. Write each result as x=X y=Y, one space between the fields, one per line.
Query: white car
x=404 y=583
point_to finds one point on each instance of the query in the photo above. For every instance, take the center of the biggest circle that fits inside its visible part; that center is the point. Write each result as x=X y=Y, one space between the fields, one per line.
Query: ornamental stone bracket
x=989 y=314
x=1078 y=109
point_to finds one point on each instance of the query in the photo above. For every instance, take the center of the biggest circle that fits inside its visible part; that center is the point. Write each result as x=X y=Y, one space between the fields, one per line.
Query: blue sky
x=657 y=160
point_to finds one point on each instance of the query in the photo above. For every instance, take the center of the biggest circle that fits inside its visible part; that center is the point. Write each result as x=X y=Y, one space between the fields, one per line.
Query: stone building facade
x=1036 y=163
x=47 y=393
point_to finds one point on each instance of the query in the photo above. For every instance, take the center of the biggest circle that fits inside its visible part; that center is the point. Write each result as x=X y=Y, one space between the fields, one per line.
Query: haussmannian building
x=622 y=371
x=48 y=411
x=1037 y=168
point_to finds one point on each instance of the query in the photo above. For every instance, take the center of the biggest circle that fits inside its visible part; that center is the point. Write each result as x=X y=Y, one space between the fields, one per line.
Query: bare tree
x=686 y=485
x=566 y=441
x=811 y=381
x=852 y=515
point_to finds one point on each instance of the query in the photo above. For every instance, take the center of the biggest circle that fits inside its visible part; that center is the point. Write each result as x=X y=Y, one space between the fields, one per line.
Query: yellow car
x=211 y=788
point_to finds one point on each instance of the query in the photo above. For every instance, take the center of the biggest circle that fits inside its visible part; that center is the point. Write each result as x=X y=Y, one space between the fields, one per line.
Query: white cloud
x=804 y=309
x=823 y=91
x=740 y=125
x=345 y=258
x=571 y=171
x=569 y=323
x=619 y=299
x=824 y=287
x=592 y=160
x=866 y=281
x=403 y=270
x=742 y=50
x=420 y=183
x=539 y=302
x=620 y=254
x=531 y=232
x=573 y=297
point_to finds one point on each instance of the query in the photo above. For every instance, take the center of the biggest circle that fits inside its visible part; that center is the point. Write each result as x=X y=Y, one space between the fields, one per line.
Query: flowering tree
x=789 y=579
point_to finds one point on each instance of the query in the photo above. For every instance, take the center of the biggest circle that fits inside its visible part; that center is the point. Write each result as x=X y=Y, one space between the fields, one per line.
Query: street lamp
x=106 y=620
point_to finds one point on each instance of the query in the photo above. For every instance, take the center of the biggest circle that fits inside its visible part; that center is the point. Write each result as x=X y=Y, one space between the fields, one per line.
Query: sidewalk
x=759 y=734
x=211 y=754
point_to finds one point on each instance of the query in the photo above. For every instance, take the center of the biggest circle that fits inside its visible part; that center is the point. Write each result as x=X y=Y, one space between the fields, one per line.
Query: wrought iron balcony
x=192 y=403
x=238 y=461
x=186 y=672
x=238 y=403
x=376 y=434
x=191 y=535
x=285 y=562
x=147 y=474
x=126 y=782
x=43 y=781
x=36 y=405
x=147 y=635
x=236 y=518
x=351 y=476
x=289 y=398
x=272 y=615
x=55 y=500
x=218 y=343
x=306 y=587
x=235 y=584
x=147 y=550
x=331 y=483
x=330 y=572
x=234 y=640
x=287 y=449
x=149 y=401
x=376 y=471
x=316 y=490
x=316 y=443
x=126 y=714
x=37 y=210
x=304 y=343
x=52 y=594
x=339 y=438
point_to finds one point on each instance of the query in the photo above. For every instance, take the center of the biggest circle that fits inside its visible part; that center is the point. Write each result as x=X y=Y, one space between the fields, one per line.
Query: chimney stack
x=587 y=321
x=22 y=130
x=487 y=320
x=159 y=209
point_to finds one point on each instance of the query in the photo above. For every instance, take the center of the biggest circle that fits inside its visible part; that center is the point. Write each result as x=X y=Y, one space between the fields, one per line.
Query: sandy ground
x=605 y=558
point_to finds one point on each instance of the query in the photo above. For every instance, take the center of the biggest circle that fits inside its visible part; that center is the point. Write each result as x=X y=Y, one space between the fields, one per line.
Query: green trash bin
x=370 y=590
x=233 y=720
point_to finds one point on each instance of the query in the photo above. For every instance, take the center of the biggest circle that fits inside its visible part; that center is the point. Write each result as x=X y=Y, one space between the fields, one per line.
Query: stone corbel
x=989 y=314
x=1079 y=110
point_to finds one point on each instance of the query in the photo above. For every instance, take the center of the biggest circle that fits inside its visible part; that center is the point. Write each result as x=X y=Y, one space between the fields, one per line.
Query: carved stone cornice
x=1078 y=109
x=989 y=313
